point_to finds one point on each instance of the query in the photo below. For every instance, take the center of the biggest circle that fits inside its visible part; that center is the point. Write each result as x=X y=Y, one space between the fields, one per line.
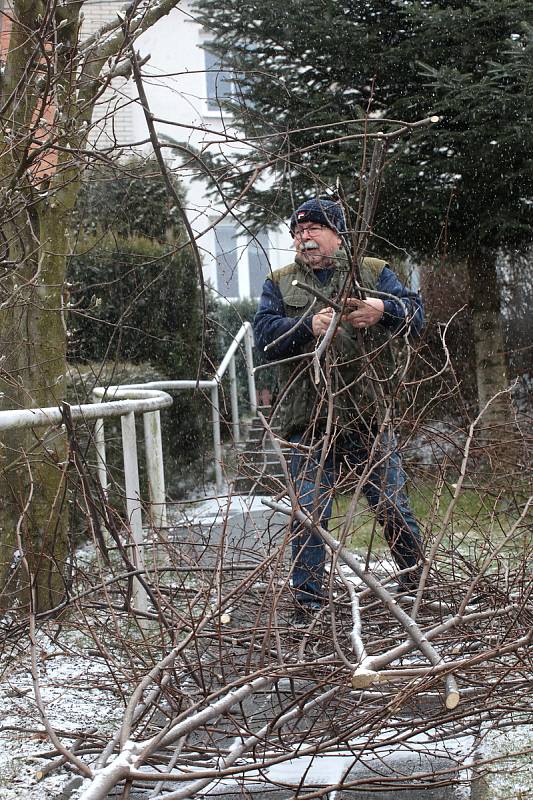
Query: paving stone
x=245 y=528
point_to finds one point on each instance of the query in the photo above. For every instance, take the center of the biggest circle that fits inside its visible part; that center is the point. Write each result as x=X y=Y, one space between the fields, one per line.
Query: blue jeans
x=383 y=489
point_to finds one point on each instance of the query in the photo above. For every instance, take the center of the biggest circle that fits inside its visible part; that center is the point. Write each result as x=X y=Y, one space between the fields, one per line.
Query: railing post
x=133 y=503
x=248 y=343
x=101 y=464
x=154 y=463
x=234 y=401
x=217 y=442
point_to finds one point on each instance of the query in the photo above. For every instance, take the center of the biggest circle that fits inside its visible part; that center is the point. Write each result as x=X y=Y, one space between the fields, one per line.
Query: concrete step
x=253 y=449
x=255 y=422
x=303 y=774
x=257 y=456
x=258 y=467
x=259 y=471
x=245 y=529
x=256 y=434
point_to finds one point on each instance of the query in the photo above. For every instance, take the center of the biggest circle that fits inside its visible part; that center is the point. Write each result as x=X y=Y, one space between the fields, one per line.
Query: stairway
x=258 y=468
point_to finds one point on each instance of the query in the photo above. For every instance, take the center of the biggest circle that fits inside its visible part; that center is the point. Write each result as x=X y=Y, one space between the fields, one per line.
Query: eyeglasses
x=311 y=230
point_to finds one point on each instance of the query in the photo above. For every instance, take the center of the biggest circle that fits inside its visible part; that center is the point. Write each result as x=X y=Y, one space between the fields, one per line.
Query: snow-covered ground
x=509 y=778
x=79 y=693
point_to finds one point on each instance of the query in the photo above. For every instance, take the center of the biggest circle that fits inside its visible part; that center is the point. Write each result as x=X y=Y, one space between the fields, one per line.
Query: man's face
x=316 y=244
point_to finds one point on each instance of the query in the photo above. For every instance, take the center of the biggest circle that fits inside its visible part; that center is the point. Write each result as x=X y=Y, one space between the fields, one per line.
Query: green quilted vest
x=360 y=363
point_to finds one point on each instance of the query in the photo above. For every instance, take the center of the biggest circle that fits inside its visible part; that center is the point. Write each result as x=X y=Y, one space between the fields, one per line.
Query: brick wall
x=5 y=28
x=98 y=12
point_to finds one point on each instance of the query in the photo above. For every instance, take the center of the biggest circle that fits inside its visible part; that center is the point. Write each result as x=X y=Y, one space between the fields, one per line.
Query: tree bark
x=39 y=176
x=491 y=361
x=33 y=476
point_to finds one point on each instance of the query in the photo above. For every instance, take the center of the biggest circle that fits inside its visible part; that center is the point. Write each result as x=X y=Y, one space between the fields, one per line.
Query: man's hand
x=365 y=312
x=320 y=321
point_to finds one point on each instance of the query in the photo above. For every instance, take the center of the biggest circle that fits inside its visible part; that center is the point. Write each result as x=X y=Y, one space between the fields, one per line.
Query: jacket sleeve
x=406 y=314
x=270 y=322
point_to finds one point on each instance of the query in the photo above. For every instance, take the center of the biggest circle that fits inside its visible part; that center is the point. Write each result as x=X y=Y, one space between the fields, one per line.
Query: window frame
x=231 y=256
x=219 y=79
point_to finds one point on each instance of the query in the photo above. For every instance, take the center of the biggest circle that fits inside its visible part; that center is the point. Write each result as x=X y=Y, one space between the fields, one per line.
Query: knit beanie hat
x=325 y=212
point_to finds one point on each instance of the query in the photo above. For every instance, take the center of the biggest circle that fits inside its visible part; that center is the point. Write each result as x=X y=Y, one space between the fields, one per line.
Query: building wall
x=5 y=28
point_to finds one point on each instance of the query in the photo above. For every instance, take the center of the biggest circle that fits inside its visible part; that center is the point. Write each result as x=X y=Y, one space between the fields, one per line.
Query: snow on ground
x=510 y=778
x=77 y=692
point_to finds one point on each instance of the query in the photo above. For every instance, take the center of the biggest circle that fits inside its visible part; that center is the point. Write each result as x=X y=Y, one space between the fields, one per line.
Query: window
x=218 y=82
x=258 y=263
x=227 y=261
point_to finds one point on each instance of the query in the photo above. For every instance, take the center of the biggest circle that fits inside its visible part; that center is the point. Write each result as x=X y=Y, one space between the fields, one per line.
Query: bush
x=182 y=445
x=134 y=303
x=129 y=199
x=133 y=300
x=135 y=295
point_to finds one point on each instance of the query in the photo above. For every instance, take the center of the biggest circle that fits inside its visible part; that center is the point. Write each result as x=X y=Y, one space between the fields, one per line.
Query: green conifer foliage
x=312 y=75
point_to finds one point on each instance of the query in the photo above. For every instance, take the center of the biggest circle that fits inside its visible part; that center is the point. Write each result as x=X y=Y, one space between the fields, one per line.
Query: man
x=345 y=409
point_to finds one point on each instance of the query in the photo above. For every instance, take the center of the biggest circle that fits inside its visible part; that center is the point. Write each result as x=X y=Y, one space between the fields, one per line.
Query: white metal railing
x=213 y=385
x=148 y=403
x=147 y=399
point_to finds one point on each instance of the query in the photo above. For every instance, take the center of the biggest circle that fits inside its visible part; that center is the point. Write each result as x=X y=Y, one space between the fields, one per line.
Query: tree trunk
x=34 y=512
x=491 y=362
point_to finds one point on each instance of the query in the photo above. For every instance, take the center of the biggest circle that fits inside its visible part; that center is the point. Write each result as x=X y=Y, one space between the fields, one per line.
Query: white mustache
x=309 y=245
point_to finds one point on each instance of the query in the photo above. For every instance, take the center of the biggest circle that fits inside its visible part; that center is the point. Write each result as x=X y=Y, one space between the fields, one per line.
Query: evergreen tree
x=462 y=190
x=128 y=199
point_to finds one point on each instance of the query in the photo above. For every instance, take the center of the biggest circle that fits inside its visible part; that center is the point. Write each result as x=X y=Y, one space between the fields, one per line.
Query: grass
x=478 y=514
